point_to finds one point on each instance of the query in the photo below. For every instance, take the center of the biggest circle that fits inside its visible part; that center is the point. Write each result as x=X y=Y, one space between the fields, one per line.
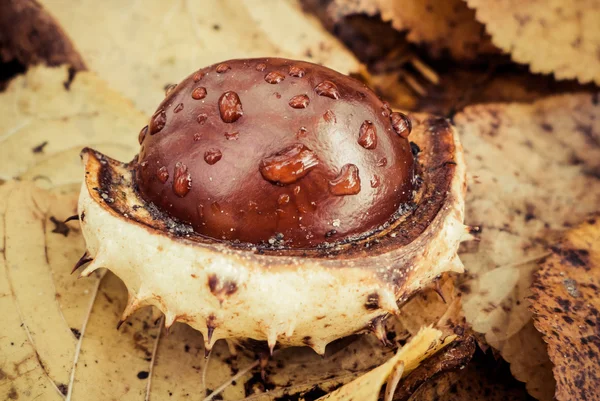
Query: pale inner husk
x=229 y=293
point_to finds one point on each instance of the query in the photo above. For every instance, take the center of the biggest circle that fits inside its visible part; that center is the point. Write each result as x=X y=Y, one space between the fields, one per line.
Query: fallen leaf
x=29 y=35
x=529 y=164
x=45 y=310
x=456 y=356
x=139 y=47
x=566 y=307
x=552 y=37
x=44 y=126
x=443 y=27
x=483 y=379
x=427 y=342
x=438 y=305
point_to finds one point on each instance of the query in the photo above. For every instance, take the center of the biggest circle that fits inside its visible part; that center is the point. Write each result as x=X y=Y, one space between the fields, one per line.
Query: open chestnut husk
x=277 y=200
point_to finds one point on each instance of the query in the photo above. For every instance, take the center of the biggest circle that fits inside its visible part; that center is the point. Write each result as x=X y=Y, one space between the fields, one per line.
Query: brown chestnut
x=277 y=200
x=325 y=172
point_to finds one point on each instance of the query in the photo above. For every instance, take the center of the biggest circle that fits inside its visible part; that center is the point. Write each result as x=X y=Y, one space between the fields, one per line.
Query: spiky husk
x=232 y=291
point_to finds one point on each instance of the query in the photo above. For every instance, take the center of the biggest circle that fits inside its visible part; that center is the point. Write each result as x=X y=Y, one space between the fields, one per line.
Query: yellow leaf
x=367 y=387
x=443 y=27
x=529 y=165
x=44 y=125
x=139 y=47
x=552 y=37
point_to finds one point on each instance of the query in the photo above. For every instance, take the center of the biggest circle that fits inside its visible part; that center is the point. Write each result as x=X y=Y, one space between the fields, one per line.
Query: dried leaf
x=565 y=304
x=439 y=305
x=139 y=47
x=30 y=35
x=553 y=37
x=456 y=356
x=483 y=379
x=45 y=310
x=44 y=125
x=426 y=343
x=443 y=26
x=529 y=165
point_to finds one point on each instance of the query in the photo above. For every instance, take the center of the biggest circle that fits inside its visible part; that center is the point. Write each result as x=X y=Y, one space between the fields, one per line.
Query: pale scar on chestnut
x=267 y=180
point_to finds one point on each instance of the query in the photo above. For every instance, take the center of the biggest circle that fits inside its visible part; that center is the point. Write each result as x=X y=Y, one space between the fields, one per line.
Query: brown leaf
x=483 y=379
x=529 y=164
x=557 y=38
x=565 y=304
x=139 y=47
x=31 y=36
x=456 y=356
x=442 y=26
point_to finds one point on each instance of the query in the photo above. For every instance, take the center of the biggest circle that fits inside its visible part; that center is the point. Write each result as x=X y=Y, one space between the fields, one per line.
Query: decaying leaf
x=529 y=165
x=529 y=360
x=483 y=379
x=456 y=356
x=139 y=47
x=444 y=27
x=29 y=35
x=427 y=342
x=566 y=308
x=459 y=87
x=44 y=125
x=552 y=37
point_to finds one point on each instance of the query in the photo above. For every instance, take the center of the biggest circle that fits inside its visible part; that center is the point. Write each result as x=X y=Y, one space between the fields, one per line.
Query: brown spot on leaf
x=59 y=226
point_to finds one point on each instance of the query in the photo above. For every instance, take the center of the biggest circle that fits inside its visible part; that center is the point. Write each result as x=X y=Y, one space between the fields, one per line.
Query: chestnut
x=294 y=154
x=277 y=200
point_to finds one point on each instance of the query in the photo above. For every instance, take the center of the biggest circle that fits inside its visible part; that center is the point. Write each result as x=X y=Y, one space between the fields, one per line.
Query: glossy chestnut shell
x=276 y=152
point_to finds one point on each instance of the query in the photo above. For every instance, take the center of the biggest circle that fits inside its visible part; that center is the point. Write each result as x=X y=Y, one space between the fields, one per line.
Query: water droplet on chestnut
x=367 y=137
x=158 y=122
x=401 y=124
x=299 y=102
x=199 y=93
x=296 y=71
x=182 y=180
x=375 y=181
x=329 y=117
x=382 y=162
x=142 y=134
x=274 y=77
x=232 y=136
x=162 y=174
x=198 y=75
x=178 y=108
x=230 y=107
x=283 y=199
x=221 y=68
x=211 y=156
x=288 y=165
x=261 y=67
x=347 y=182
x=327 y=89
x=301 y=133
x=386 y=110
x=202 y=118
x=169 y=89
